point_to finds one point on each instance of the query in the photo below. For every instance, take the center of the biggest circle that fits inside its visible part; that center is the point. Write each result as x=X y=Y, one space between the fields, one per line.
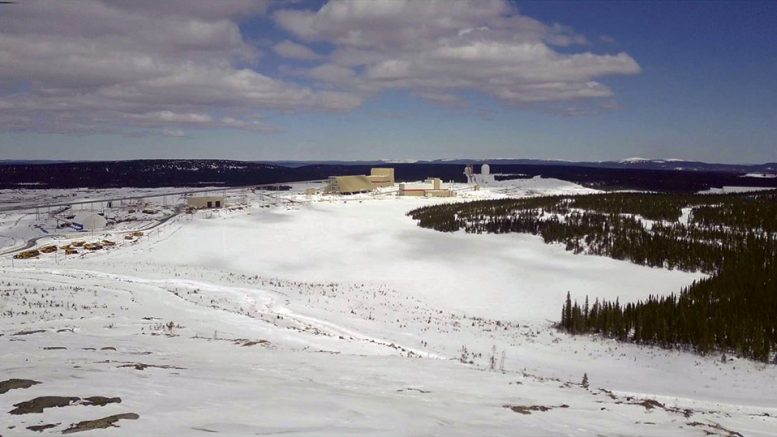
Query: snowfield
x=330 y=316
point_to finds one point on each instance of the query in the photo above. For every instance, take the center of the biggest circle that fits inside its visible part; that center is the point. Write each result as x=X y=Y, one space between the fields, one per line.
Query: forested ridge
x=731 y=237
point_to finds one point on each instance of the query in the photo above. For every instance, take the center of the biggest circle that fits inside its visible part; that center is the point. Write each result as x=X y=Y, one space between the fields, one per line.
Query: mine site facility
x=321 y=308
x=388 y=218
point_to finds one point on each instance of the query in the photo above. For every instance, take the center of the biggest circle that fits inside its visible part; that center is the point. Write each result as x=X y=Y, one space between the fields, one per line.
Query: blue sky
x=260 y=80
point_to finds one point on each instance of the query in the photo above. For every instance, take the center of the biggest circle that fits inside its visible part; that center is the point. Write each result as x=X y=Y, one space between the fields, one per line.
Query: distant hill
x=633 y=174
x=29 y=161
x=633 y=163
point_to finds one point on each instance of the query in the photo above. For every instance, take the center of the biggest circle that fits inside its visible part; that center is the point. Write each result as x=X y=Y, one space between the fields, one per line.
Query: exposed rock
x=11 y=384
x=100 y=401
x=649 y=404
x=41 y=428
x=527 y=409
x=37 y=405
x=259 y=342
x=143 y=366
x=105 y=422
x=35 y=331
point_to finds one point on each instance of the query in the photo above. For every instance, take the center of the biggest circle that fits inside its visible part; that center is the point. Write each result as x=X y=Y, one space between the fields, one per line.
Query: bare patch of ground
x=105 y=422
x=715 y=428
x=41 y=428
x=256 y=342
x=34 y=331
x=143 y=366
x=527 y=409
x=11 y=384
x=39 y=404
x=413 y=389
x=650 y=404
x=100 y=401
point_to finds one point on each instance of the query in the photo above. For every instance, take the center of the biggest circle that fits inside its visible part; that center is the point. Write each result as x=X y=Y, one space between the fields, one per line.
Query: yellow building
x=200 y=202
x=349 y=184
x=432 y=188
x=382 y=177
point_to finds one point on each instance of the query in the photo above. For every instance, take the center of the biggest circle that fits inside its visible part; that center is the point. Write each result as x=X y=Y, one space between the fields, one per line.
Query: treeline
x=730 y=237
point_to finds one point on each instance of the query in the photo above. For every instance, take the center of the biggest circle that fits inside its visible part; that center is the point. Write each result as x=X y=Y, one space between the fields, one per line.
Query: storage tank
x=485 y=169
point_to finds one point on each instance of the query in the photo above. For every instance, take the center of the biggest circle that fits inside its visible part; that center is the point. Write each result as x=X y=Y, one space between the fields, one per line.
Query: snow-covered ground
x=18 y=197
x=42 y=215
x=760 y=175
x=338 y=315
x=733 y=189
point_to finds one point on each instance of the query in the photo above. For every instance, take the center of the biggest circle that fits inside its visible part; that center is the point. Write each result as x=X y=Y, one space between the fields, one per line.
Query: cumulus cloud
x=333 y=73
x=108 y=66
x=137 y=66
x=441 y=98
x=292 y=50
x=437 y=48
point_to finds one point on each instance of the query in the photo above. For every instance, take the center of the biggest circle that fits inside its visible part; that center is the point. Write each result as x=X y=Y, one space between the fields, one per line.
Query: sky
x=388 y=79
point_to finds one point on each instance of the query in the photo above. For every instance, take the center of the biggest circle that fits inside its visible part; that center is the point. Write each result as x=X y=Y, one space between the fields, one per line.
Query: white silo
x=485 y=170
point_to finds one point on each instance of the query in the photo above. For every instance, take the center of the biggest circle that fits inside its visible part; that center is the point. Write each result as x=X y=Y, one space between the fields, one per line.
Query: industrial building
x=432 y=188
x=349 y=184
x=484 y=178
x=201 y=202
x=382 y=177
x=352 y=184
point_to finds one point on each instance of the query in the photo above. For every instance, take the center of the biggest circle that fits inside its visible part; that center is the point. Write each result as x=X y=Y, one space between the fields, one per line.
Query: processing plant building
x=352 y=184
x=432 y=187
x=382 y=177
x=349 y=184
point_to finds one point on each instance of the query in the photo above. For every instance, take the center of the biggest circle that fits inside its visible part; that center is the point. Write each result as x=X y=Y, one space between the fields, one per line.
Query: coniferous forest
x=730 y=237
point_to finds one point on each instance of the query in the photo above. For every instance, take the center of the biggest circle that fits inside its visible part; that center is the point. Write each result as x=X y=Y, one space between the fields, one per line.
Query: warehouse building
x=382 y=177
x=432 y=187
x=348 y=184
x=352 y=184
x=202 y=202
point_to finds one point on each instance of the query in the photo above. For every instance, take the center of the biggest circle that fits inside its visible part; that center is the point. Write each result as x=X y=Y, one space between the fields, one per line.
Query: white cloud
x=441 y=98
x=292 y=50
x=118 y=66
x=172 y=117
x=333 y=73
x=436 y=48
x=102 y=66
